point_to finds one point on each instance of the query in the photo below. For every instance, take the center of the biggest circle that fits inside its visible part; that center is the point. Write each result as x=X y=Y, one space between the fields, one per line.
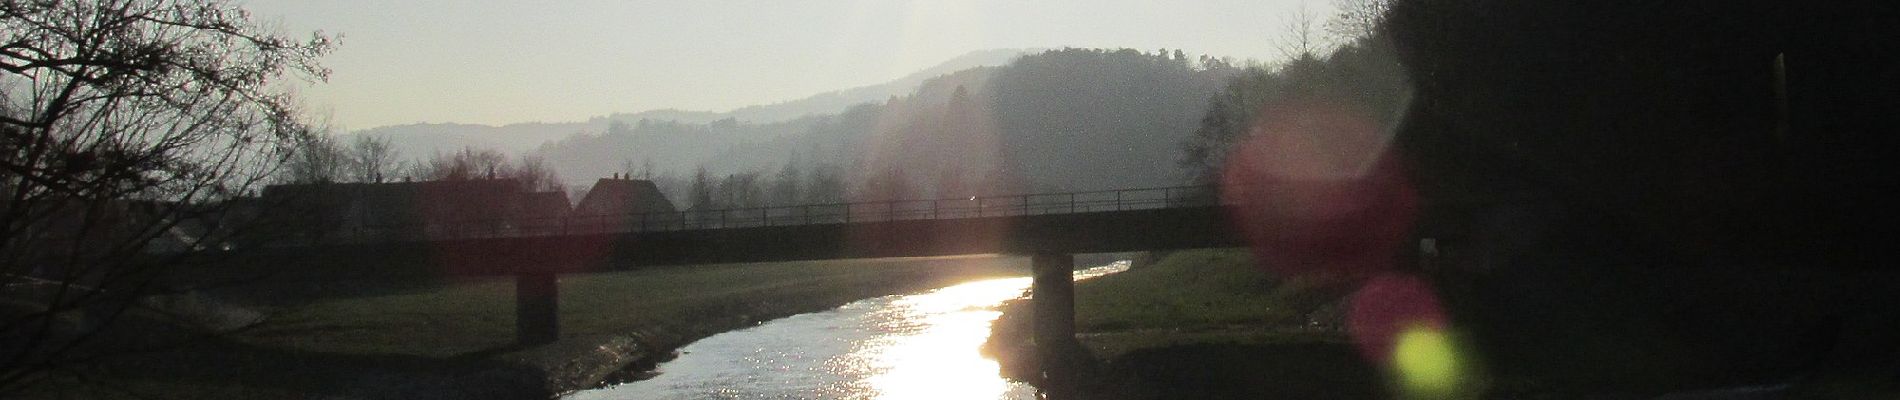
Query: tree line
x=372 y=159
x=1341 y=60
x=1067 y=119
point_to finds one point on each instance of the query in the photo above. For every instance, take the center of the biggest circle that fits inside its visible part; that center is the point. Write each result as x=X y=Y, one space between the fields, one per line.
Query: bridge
x=1050 y=228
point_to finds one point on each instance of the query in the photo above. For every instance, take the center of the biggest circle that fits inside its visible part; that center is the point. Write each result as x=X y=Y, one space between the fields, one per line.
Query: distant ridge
x=423 y=139
x=833 y=102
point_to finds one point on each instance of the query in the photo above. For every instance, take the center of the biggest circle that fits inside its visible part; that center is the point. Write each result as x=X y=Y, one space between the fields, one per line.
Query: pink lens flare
x=1318 y=190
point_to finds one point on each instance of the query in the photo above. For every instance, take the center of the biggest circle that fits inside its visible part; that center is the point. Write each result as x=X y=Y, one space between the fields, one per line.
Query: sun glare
x=933 y=356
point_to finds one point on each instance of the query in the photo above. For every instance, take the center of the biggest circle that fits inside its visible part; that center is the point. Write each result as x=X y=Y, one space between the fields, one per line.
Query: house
x=621 y=196
x=619 y=203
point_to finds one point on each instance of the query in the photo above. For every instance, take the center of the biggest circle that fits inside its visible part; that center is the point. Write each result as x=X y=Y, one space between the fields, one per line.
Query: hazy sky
x=505 y=61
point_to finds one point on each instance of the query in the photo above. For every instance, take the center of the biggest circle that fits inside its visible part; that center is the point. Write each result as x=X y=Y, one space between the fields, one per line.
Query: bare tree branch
x=122 y=121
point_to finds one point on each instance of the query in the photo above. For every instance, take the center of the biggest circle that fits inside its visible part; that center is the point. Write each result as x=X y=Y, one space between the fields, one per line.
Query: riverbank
x=1199 y=324
x=1207 y=324
x=455 y=339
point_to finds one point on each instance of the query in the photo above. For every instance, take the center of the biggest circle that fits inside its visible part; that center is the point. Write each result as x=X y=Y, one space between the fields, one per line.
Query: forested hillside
x=1072 y=119
x=1059 y=120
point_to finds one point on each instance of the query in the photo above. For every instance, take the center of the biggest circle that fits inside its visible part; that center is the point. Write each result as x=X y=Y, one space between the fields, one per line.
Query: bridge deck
x=1091 y=232
x=1082 y=222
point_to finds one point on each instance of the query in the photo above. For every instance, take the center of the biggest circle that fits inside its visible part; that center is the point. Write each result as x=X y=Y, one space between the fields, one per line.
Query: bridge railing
x=796 y=215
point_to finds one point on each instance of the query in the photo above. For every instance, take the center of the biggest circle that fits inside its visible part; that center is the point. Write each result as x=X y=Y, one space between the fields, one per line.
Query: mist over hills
x=423 y=139
x=835 y=101
x=989 y=122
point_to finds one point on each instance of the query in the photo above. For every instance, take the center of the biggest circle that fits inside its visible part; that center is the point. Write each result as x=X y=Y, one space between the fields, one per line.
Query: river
x=913 y=346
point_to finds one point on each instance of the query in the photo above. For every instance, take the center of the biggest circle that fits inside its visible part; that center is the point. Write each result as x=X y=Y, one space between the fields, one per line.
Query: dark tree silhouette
x=703 y=193
x=1087 y=119
x=318 y=158
x=824 y=184
x=1712 y=180
x=466 y=164
x=373 y=159
x=788 y=186
x=122 y=119
x=1364 y=75
x=532 y=172
x=1355 y=20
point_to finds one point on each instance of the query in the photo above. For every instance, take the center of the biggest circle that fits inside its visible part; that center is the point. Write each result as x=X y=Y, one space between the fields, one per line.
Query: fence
x=811 y=214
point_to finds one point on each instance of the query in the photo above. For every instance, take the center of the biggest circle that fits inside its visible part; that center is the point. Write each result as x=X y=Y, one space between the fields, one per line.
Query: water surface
x=916 y=346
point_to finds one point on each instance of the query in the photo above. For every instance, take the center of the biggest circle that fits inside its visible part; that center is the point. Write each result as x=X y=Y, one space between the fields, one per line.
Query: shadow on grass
x=1240 y=371
x=221 y=368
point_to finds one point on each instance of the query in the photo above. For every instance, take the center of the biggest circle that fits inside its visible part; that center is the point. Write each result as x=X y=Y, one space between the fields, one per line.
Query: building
x=621 y=203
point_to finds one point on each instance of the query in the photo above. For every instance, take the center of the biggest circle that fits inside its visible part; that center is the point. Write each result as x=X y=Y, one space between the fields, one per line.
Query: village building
x=620 y=203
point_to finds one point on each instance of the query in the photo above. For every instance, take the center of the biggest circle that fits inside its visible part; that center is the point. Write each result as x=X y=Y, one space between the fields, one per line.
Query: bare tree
x=702 y=190
x=317 y=159
x=787 y=186
x=373 y=158
x=466 y=164
x=742 y=190
x=825 y=184
x=673 y=187
x=1302 y=38
x=1356 y=19
x=531 y=170
x=120 y=120
x=534 y=174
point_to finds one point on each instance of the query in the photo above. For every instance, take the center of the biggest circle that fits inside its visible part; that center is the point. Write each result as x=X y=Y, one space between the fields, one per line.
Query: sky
x=507 y=61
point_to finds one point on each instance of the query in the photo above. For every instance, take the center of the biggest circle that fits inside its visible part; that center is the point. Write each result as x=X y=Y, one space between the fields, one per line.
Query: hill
x=424 y=139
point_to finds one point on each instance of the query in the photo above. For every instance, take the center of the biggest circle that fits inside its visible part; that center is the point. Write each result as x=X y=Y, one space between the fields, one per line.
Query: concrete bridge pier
x=1052 y=292
x=537 y=308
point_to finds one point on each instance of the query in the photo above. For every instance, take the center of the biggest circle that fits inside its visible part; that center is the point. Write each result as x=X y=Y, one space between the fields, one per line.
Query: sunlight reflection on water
x=918 y=346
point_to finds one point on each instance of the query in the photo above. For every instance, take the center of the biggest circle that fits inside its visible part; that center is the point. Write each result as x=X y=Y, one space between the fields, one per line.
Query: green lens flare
x=1427 y=363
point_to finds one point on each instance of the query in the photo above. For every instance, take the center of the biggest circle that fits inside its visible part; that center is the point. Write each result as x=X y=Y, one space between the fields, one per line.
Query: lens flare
x=1397 y=322
x=1317 y=189
x=1427 y=363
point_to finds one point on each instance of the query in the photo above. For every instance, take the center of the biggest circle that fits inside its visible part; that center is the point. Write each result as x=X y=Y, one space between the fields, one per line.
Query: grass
x=1186 y=290
x=1209 y=324
x=1199 y=324
x=456 y=339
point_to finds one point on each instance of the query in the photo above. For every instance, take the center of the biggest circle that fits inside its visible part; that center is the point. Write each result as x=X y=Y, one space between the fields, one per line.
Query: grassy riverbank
x=1200 y=324
x=1208 y=324
x=455 y=339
